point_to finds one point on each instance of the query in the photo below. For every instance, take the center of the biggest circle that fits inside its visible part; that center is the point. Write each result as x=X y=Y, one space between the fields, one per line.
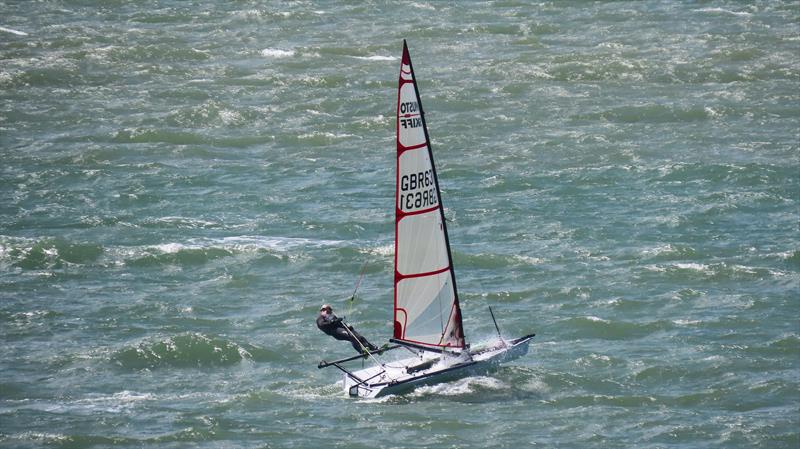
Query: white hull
x=428 y=368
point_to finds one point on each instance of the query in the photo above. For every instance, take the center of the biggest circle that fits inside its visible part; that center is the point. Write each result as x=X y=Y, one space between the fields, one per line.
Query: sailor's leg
x=341 y=334
x=359 y=343
x=367 y=344
x=363 y=340
x=356 y=345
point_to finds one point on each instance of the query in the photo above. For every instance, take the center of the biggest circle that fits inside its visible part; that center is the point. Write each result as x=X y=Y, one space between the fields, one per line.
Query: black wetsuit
x=334 y=327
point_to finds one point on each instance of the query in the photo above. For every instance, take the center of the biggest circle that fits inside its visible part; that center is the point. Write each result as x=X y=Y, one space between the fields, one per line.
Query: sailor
x=332 y=325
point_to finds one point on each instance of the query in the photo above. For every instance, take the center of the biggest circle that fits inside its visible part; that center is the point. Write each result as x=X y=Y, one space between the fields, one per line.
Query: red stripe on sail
x=402 y=148
x=412 y=147
x=400 y=328
x=423 y=343
x=400 y=276
x=401 y=214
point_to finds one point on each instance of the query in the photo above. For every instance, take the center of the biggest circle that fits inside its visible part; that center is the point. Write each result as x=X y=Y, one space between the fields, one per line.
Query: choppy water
x=183 y=184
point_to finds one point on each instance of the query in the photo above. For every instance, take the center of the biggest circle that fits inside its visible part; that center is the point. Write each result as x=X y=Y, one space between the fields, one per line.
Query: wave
x=495 y=261
x=13 y=31
x=28 y=317
x=625 y=401
x=57 y=253
x=189 y=350
x=594 y=327
x=724 y=11
x=714 y=271
x=788 y=346
x=177 y=254
x=376 y=58
x=48 y=253
x=20 y=324
x=139 y=135
x=749 y=175
x=669 y=251
x=200 y=136
x=322 y=138
x=793 y=257
x=501 y=296
x=465 y=386
x=180 y=223
x=212 y=114
x=654 y=113
x=202 y=250
x=277 y=53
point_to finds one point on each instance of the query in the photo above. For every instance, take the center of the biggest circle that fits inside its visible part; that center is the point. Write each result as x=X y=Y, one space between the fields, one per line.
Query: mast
x=425 y=283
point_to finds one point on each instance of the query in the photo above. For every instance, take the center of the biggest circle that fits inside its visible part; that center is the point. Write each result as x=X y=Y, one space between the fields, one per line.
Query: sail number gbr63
x=417 y=190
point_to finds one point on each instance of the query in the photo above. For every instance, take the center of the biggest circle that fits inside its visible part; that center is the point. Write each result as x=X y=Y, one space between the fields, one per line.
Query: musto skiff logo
x=417 y=190
x=408 y=109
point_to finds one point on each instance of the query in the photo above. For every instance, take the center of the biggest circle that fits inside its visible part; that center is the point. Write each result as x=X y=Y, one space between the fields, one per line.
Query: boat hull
x=404 y=375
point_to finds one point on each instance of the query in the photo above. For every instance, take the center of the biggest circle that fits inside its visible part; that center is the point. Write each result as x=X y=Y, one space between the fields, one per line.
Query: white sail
x=426 y=308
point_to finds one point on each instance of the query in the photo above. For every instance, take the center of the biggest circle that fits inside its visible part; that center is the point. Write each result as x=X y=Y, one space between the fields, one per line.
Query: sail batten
x=426 y=309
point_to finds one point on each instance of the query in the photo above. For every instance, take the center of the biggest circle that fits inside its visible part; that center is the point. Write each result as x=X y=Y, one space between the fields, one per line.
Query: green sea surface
x=182 y=184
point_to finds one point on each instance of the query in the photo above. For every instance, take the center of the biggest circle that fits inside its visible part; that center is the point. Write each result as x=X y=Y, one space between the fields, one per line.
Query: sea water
x=182 y=184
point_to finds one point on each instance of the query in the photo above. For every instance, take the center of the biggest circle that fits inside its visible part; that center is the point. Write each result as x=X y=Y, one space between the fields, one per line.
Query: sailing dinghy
x=427 y=315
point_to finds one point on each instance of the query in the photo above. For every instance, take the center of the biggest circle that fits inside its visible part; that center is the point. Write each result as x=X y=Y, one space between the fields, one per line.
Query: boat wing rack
x=324 y=364
x=359 y=381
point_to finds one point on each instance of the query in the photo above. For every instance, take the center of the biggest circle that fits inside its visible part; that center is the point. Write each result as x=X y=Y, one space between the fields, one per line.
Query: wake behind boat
x=427 y=314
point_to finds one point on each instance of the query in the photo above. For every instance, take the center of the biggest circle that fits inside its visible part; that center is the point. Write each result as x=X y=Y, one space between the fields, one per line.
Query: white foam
x=693 y=267
x=529 y=260
x=277 y=53
x=249 y=243
x=170 y=248
x=686 y=322
x=385 y=250
x=313 y=393
x=186 y=222
x=535 y=385
x=379 y=400
x=13 y=31
x=655 y=268
x=44 y=437
x=235 y=245
x=115 y=403
x=326 y=135
x=724 y=11
x=376 y=58
x=658 y=250
x=461 y=386
x=423 y=6
x=229 y=117
x=27 y=316
x=6 y=77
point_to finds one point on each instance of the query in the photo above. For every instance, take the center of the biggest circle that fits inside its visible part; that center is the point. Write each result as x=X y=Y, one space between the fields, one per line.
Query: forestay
x=426 y=309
